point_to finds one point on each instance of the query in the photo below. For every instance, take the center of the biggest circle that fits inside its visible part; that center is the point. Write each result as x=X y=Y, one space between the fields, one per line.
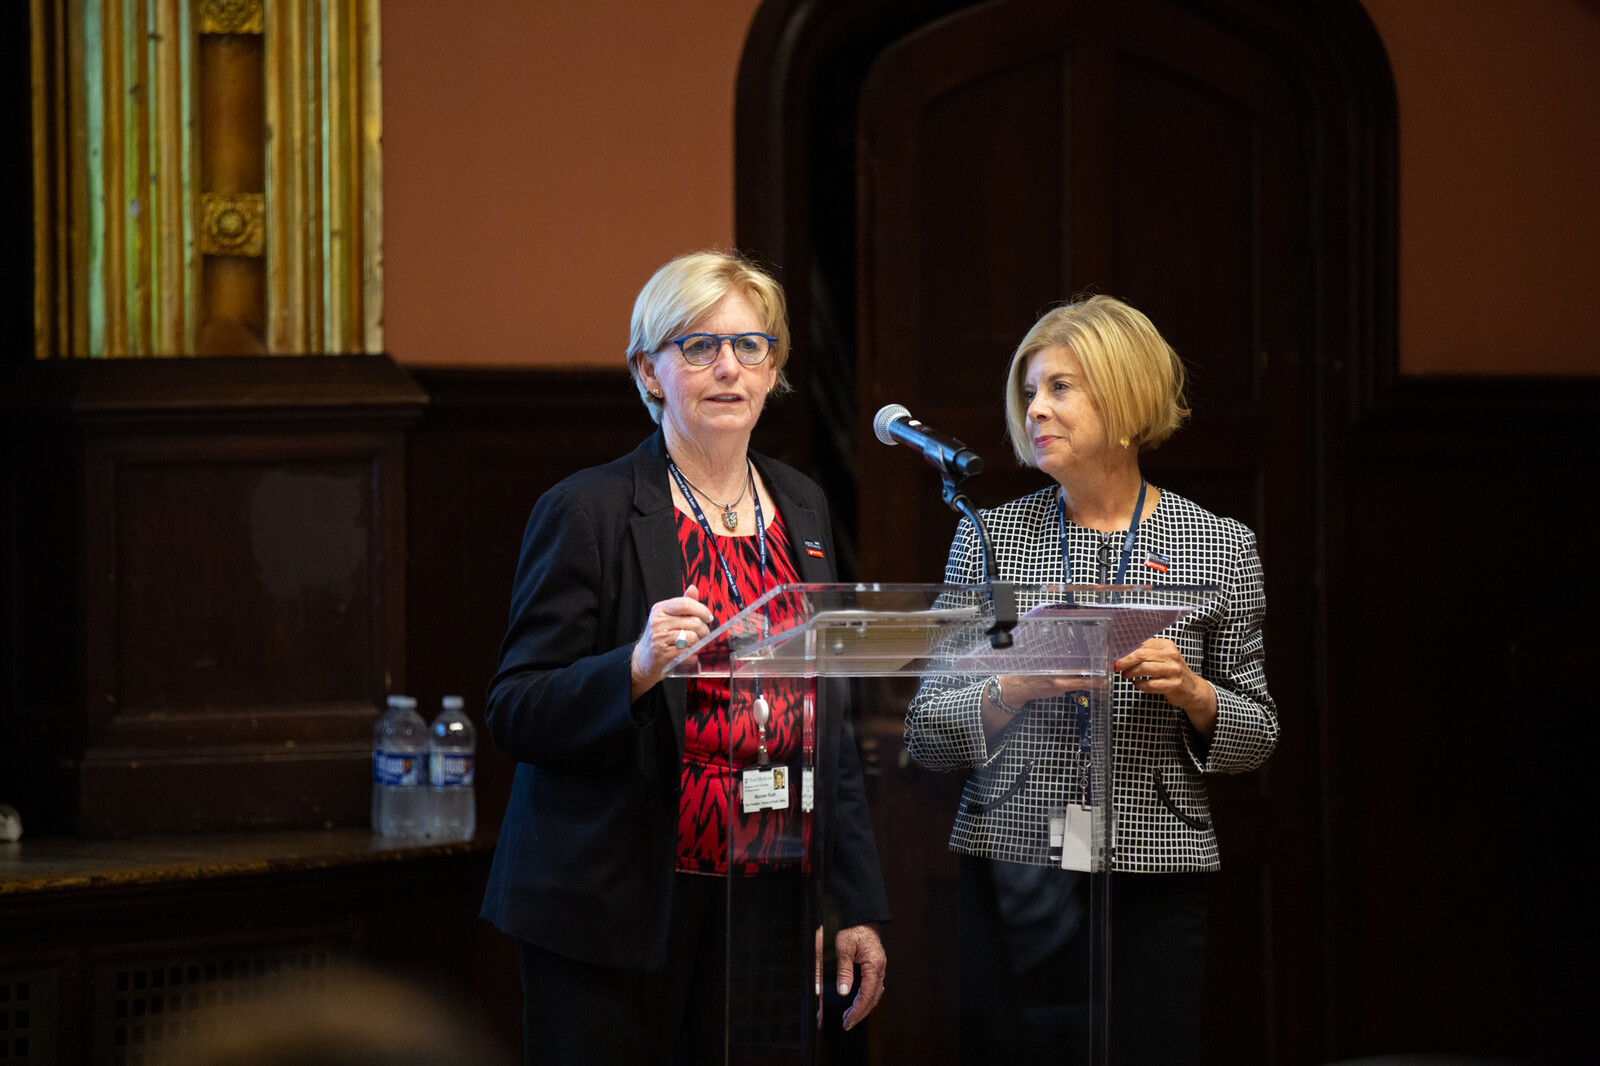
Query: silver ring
x=683 y=639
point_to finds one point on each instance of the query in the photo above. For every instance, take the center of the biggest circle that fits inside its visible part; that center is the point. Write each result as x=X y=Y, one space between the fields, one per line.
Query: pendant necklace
x=730 y=517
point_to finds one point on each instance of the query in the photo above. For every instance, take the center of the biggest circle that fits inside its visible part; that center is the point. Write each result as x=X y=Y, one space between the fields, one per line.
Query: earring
x=657 y=394
x=1125 y=441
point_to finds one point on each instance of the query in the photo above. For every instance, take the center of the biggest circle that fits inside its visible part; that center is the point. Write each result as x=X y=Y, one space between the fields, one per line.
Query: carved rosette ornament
x=230 y=16
x=233 y=225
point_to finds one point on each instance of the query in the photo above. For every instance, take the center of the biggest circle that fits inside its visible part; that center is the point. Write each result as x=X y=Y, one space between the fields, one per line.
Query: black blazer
x=584 y=865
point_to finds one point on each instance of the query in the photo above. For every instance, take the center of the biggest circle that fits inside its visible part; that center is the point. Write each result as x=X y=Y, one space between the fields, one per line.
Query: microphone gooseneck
x=955 y=462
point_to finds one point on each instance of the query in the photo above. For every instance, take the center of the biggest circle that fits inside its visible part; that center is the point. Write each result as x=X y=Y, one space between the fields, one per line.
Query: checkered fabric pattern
x=1163 y=818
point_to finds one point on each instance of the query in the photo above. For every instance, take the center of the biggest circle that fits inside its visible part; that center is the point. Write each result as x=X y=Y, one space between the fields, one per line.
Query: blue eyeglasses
x=701 y=349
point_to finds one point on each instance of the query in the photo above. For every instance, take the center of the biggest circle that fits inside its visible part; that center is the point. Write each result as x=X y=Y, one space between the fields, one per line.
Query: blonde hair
x=1132 y=374
x=685 y=291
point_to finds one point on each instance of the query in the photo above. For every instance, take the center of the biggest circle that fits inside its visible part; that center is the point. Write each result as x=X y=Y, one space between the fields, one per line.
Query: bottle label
x=396 y=769
x=449 y=770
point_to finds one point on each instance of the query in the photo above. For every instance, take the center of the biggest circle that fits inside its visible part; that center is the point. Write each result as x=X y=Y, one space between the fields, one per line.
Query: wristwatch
x=991 y=689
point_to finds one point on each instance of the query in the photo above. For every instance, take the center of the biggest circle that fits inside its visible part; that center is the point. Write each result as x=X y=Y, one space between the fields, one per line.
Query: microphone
x=893 y=424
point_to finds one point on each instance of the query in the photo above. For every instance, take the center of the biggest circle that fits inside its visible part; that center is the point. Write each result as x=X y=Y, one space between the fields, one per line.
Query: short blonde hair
x=1132 y=374
x=685 y=291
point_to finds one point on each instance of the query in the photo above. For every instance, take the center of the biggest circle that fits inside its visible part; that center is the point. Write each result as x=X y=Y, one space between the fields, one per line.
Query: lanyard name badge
x=1072 y=826
x=762 y=787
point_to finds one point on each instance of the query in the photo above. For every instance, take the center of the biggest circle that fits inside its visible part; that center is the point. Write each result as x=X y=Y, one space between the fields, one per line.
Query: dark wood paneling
x=966 y=315
x=1457 y=754
x=242 y=579
x=229 y=609
x=1187 y=216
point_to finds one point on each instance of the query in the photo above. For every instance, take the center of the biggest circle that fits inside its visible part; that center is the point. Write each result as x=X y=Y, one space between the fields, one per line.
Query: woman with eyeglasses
x=1090 y=387
x=629 y=817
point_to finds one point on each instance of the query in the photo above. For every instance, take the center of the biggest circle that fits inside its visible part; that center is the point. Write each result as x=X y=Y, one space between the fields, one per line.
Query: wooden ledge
x=66 y=864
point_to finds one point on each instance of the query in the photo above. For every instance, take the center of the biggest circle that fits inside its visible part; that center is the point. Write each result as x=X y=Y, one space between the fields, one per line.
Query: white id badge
x=1071 y=830
x=764 y=788
x=808 y=795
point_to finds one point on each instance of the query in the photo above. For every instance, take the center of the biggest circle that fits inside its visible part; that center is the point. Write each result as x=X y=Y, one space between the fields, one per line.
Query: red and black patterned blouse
x=710 y=783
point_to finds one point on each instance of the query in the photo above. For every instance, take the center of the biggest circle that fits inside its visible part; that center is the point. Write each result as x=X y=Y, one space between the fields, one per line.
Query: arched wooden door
x=1014 y=154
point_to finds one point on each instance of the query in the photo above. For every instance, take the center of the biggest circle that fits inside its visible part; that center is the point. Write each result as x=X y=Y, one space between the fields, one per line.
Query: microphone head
x=889 y=412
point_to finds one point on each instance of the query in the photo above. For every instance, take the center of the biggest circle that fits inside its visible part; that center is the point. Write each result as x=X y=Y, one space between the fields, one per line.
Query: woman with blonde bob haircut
x=1091 y=386
x=1131 y=371
x=639 y=797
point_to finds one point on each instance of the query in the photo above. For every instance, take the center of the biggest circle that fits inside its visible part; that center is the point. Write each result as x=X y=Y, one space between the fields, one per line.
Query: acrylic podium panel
x=824 y=656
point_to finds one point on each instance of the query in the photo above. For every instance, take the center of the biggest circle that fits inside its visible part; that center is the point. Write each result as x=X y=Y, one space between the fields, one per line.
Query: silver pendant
x=730 y=518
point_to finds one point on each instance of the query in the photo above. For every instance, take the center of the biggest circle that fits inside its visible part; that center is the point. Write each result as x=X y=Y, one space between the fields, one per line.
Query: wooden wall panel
x=246 y=580
x=230 y=609
x=1450 y=621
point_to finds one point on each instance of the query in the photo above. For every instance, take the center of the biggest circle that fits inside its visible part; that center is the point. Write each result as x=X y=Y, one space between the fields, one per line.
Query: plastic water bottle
x=400 y=795
x=451 y=739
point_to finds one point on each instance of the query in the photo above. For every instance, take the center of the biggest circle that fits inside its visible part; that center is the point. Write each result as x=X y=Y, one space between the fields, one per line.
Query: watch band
x=991 y=689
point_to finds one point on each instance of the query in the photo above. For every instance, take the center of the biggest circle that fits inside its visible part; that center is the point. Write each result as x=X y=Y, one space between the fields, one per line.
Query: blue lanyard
x=1127 y=542
x=1080 y=701
x=711 y=538
x=733 y=588
x=1085 y=753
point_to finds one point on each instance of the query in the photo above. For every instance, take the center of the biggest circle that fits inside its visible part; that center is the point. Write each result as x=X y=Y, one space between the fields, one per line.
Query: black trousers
x=576 y=1013
x=1024 y=989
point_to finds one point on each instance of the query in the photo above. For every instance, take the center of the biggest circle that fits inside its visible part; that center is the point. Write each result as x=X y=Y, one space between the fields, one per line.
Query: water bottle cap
x=403 y=701
x=453 y=703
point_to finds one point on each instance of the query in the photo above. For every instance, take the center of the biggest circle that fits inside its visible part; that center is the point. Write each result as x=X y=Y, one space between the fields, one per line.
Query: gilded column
x=207 y=177
x=324 y=199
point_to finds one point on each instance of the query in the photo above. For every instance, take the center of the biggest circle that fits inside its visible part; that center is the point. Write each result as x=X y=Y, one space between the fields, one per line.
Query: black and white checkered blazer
x=1163 y=819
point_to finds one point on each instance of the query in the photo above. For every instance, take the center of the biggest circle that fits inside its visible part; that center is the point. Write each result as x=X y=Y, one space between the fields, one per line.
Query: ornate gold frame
x=123 y=220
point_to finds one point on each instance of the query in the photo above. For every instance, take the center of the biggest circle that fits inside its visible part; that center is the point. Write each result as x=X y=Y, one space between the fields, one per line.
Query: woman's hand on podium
x=673 y=625
x=1158 y=666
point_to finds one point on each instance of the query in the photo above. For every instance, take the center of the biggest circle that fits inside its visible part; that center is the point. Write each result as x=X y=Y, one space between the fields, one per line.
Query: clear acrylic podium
x=805 y=661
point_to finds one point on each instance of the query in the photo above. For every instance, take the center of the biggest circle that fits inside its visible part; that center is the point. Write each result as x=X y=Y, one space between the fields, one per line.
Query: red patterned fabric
x=710 y=784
